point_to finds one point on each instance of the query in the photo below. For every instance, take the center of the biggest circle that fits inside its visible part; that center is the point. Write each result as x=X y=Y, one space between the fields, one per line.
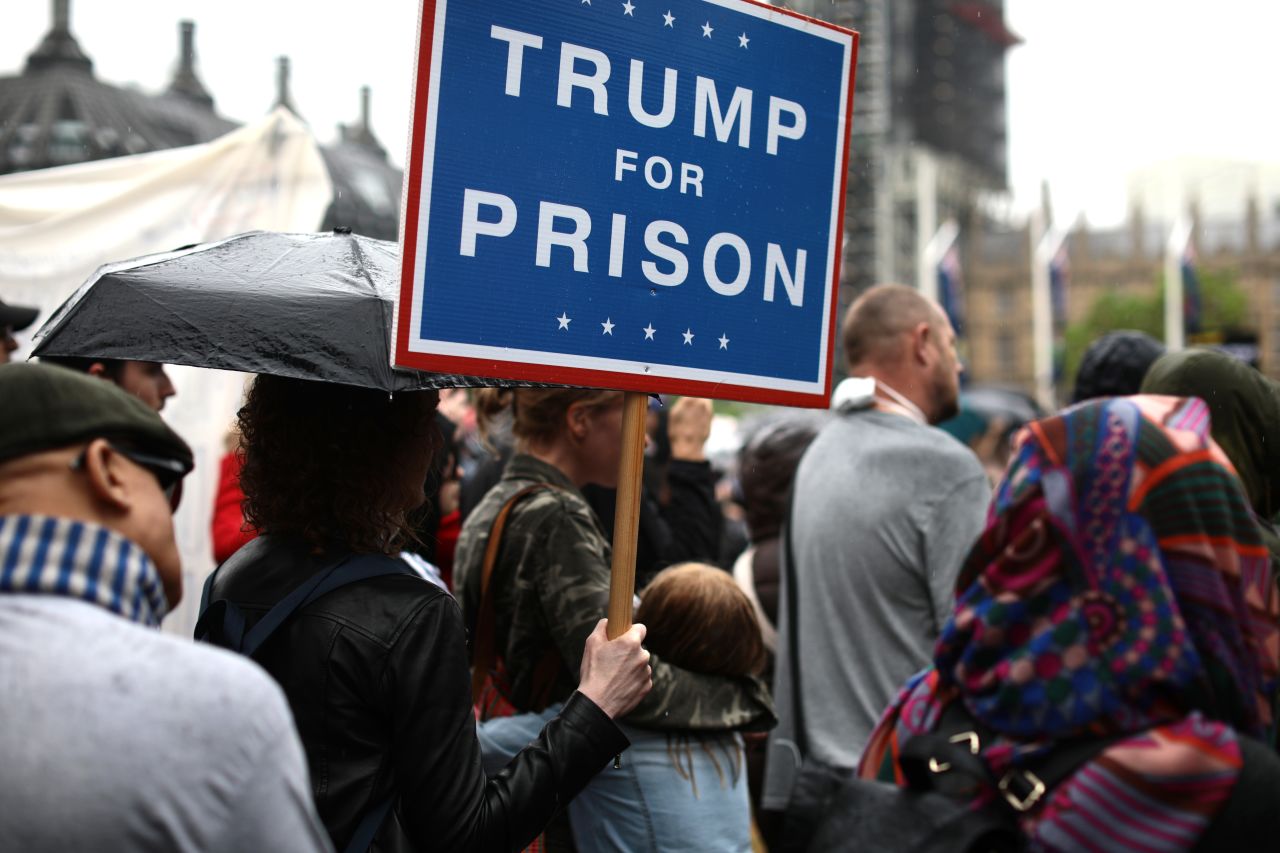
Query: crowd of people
x=404 y=646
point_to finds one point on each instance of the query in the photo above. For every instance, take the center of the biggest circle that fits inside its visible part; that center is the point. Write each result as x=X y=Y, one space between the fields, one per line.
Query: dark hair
x=1114 y=365
x=324 y=461
x=111 y=367
x=767 y=466
x=698 y=619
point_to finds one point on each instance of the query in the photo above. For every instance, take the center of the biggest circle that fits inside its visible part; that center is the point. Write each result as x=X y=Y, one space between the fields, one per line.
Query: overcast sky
x=1098 y=89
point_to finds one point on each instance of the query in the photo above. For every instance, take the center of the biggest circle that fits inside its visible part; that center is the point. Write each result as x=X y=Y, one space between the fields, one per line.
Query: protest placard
x=645 y=195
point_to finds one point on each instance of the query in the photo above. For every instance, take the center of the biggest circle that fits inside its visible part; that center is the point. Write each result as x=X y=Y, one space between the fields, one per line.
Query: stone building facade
x=1127 y=259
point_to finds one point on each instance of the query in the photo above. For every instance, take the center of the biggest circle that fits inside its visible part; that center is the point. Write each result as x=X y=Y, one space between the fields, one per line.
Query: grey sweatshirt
x=885 y=511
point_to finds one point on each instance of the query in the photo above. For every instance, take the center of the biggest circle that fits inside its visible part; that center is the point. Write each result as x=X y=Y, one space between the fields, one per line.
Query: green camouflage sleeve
x=574 y=593
x=693 y=701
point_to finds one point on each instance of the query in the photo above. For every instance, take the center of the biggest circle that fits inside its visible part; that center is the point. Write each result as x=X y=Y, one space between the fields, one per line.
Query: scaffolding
x=929 y=129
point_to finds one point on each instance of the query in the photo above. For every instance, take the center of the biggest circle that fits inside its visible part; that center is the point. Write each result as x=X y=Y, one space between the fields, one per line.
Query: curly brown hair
x=327 y=462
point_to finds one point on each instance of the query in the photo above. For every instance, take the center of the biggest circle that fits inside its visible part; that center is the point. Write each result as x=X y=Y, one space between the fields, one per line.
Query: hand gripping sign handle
x=626 y=520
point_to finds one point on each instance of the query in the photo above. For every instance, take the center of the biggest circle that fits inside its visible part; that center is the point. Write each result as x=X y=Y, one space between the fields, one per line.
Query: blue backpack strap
x=232 y=635
x=222 y=623
x=348 y=571
x=362 y=840
x=207 y=590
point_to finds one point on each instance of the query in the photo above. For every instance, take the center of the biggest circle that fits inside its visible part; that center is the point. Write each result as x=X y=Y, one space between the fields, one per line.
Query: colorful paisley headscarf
x=1121 y=586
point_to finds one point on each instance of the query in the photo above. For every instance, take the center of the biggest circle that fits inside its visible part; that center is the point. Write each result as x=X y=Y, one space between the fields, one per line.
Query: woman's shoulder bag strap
x=485 y=654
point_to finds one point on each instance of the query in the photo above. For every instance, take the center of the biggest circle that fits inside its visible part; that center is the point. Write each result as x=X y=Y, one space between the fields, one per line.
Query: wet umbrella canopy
x=307 y=306
x=990 y=403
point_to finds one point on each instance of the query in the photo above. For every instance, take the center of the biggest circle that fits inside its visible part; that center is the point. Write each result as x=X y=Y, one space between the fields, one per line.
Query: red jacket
x=229 y=529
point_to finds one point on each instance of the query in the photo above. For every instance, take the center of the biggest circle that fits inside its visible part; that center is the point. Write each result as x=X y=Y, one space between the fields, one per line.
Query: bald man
x=885 y=508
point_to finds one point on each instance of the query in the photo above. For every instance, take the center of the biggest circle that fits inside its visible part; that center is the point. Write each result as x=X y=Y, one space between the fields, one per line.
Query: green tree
x=1224 y=306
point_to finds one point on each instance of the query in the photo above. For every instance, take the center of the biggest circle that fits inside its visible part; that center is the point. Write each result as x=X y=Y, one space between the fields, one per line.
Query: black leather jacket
x=377 y=676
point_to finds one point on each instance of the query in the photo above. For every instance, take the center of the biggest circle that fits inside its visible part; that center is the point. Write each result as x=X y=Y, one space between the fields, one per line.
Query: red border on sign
x=413 y=182
x=579 y=376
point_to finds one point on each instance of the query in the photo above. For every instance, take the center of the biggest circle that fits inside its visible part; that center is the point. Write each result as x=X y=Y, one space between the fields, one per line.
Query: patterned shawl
x=1121 y=586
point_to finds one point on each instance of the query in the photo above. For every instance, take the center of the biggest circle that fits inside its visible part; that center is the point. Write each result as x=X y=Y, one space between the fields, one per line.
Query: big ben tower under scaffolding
x=929 y=127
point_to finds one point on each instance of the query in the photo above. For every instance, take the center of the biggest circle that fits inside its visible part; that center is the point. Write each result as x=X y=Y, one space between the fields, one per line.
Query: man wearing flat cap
x=115 y=736
x=13 y=318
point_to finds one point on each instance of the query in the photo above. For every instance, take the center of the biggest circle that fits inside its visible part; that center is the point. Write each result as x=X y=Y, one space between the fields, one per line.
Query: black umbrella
x=1008 y=405
x=307 y=306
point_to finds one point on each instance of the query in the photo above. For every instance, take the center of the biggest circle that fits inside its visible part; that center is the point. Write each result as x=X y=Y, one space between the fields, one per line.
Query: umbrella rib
x=361 y=267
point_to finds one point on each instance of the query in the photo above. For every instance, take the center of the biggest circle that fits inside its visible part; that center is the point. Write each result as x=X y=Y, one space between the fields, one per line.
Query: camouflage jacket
x=551 y=586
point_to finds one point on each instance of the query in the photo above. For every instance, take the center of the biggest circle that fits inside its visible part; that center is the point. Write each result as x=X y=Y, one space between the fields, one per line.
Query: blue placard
x=640 y=195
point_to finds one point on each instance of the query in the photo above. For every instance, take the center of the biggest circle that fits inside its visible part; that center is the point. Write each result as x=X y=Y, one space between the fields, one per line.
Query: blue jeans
x=650 y=803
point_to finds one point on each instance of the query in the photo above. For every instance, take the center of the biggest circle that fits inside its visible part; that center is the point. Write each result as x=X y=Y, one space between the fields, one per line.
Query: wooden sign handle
x=626 y=520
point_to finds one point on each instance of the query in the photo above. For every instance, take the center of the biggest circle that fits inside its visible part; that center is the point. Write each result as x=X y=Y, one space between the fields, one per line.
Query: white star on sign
x=648 y=332
x=608 y=327
x=563 y=320
x=688 y=337
x=669 y=20
x=628 y=8
x=706 y=30
x=724 y=342
x=586 y=2
x=742 y=40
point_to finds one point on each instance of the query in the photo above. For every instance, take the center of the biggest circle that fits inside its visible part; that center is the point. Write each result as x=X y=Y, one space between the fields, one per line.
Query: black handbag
x=935 y=812
x=831 y=809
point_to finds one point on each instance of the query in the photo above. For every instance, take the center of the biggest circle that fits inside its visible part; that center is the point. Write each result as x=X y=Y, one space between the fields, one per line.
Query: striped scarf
x=77 y=559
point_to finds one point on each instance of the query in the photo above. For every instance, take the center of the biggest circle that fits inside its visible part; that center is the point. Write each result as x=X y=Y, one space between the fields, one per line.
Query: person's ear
x=104 y=469
x=921 y=343
x=98 y=370
x=578 y=418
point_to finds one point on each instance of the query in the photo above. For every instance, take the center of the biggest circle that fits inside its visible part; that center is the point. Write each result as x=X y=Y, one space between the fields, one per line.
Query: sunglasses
x=168 y=472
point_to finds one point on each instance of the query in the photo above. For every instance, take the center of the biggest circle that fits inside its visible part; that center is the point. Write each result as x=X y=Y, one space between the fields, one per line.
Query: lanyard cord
x=899 y=403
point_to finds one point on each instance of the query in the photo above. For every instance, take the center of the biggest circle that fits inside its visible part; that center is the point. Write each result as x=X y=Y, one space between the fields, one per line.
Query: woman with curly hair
x=376 y=671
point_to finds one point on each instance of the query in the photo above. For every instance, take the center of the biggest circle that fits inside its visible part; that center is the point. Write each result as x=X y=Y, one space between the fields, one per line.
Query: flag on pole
x=951 y=286
x=1192 y=309
x=1175 y=272
x=1059 y=281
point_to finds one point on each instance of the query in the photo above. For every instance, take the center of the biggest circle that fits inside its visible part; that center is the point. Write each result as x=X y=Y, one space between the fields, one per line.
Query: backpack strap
x=362 y=839
x=484 y=656
x=800 y=734
x=206 y=591
x=1027 y=784
x=222 y=623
